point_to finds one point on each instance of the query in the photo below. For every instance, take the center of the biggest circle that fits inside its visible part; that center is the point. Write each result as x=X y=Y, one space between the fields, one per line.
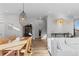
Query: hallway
x=39 y=48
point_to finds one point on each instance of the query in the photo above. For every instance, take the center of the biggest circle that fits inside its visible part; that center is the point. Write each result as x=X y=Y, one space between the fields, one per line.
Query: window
x=77 y=25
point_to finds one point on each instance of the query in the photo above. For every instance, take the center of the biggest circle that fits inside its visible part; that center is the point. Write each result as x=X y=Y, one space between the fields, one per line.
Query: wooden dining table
x=15 y=45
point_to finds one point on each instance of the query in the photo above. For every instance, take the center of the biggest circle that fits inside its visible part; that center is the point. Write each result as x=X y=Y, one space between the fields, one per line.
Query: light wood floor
x=39 y=48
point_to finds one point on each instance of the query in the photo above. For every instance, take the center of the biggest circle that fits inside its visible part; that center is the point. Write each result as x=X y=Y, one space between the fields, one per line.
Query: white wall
x=2 y=29
x=36 y=25
x=13 y=20
x=53 y=27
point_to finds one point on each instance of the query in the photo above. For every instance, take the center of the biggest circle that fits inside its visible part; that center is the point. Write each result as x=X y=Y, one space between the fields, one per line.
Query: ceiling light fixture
x=60 y=21
x=22 y=16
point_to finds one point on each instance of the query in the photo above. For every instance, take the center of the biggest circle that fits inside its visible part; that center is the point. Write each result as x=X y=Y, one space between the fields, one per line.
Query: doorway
x=27 y=30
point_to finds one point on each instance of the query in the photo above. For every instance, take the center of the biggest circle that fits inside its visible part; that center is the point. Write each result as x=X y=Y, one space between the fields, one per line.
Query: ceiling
x=40 y=9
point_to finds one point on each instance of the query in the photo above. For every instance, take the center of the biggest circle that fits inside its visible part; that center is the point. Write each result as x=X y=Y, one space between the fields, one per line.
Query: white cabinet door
x=49 y=44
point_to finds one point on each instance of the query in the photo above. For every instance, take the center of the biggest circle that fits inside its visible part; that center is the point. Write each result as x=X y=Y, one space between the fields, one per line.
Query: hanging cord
x=23 y=6
x=23 y=10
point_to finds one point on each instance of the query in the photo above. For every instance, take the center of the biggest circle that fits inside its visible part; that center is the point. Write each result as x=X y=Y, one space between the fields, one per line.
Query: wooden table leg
x=1 y=53
x=18 y=53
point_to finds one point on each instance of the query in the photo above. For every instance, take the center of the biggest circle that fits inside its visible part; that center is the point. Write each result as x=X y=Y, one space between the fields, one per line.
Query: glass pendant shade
x=22 y=15
x=22 y=18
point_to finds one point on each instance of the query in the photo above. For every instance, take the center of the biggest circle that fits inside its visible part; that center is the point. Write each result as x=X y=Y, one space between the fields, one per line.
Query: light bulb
x=22 y=19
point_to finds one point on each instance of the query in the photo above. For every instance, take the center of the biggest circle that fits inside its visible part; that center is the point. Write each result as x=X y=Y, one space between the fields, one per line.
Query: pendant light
x=22 y=17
